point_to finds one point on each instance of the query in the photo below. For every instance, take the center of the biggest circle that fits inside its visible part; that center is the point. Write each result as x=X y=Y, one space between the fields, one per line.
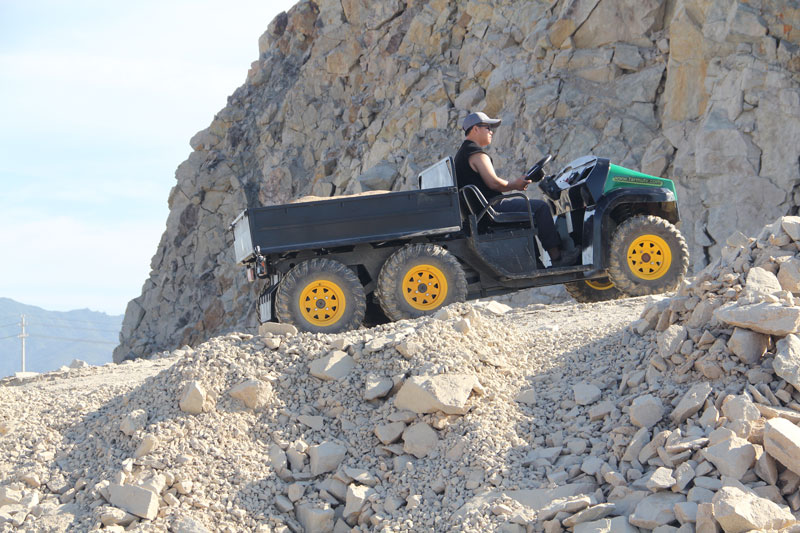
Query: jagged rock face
x=356 y=95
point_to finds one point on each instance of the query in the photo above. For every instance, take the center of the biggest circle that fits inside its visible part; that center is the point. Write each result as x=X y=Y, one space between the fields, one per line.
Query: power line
x=71 y=327
x=71 y=340
x=11 y=324
x=9 y=336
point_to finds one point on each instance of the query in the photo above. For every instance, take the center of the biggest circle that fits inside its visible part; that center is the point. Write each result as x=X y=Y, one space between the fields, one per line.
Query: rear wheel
x=321 y=295
x=419 y=279
x=593 y=290
x=648 y=256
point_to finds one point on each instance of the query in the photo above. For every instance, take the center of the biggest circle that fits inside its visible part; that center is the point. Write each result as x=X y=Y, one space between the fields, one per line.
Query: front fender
x=621 y=204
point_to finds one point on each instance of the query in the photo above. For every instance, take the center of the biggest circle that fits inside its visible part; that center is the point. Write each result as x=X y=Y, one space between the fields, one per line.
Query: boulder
x=586 y=393
x=782 y=441
x=325 y=457
x=136 y=500
x=133 y=422
x=419 y=439
x=787 y=360
x=656 y=510
x=789 y=275
x=733 y=457
x=748 y=345
x=192 y=398
x=738 y=511
x=377 y=387
x=388 y=433
x=276 y=328
x=768 y=318
x=333 y=367
x=356 y=498
x=313 y=518
x=447 y=393
x=646 y=411
x=691 y=403
x=254 y=393
x=762 y=281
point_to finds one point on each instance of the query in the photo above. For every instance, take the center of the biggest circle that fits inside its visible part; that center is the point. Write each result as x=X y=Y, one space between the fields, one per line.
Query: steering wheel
x=535 y=173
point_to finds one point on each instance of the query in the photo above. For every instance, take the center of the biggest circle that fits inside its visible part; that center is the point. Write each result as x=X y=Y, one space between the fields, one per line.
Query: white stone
x=318 y=520
x=276 y=328
x=670 y=340
x=325 y=457
x=148 y=444
x=762 y=281
x=686 y=512
x=377 y=387
x=254 y=393
x=782 y=442
x=656 y=510
x=136 y=500
x=787 y=360
x=789 y=275
x=133 y=422
x=586 y=393
x=527 y=396
x=733 y=457
x=738 y=511
x=447 y=393
x=646 y=411
x=769 y=318
x=660 y=479
x=334 y=367
x=389 y=433
x=748 y=345
x=419 y=439
x=617 y=524
x=356 y=498
x=691 y=402
x=192 y=398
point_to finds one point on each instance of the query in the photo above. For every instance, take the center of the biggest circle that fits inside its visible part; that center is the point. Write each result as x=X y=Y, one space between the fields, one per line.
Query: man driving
x=473 y=166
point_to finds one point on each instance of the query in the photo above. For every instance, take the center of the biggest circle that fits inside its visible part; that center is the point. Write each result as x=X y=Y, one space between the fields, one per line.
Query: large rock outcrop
x=355 y=95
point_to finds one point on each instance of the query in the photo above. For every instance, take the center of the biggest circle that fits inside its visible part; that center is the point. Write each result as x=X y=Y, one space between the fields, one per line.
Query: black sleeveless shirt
x=464 y=173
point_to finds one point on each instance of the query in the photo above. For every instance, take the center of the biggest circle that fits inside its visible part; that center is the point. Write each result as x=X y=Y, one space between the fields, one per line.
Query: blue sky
x=98 y=101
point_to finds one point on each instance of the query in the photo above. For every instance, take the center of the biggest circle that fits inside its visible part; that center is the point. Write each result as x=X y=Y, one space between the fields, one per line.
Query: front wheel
x=419 y=279
x=648 y=256
x=321 y=296
x=593 y=290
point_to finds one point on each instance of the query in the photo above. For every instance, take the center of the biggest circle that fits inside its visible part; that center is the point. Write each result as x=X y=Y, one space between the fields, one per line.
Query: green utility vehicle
x=413 y=252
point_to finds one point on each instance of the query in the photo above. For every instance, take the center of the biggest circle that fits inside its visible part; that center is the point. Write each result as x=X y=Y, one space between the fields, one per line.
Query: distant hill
x=55 y=338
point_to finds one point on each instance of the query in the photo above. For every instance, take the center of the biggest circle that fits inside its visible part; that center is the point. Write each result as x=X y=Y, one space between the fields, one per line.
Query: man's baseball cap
x=479 y=118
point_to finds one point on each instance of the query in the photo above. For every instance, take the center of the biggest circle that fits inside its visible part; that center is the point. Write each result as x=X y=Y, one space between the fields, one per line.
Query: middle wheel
x=418 y=279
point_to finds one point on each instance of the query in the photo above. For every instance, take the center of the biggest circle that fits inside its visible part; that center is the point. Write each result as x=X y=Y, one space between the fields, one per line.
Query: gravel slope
x=63 y=428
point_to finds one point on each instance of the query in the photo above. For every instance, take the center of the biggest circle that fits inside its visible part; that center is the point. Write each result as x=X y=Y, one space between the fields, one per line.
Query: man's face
x=482 y=134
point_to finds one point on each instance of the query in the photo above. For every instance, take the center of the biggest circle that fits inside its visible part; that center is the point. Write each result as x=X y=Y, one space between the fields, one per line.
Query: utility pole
x=22 y=337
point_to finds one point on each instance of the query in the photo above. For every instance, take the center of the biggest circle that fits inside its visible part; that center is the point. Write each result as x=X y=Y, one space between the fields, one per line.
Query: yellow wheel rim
x=322 y=302
x=600 y=285
x=424 y=287
x=649 y=257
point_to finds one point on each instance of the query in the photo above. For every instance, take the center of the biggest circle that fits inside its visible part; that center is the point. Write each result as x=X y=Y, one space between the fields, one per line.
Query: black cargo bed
x=347 y=220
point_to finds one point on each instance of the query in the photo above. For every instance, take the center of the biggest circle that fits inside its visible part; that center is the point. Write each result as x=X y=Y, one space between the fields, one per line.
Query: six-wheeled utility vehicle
x=413 y=252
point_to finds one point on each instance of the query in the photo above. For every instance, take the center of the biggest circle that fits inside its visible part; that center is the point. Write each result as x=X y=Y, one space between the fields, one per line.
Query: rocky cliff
x=353 y=95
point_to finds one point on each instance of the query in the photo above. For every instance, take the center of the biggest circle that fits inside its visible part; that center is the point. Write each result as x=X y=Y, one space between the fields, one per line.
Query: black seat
x=477 y=205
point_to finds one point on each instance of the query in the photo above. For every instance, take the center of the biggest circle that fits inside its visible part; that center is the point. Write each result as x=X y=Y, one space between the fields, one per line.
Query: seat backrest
x=476 y=202
x=440 y=174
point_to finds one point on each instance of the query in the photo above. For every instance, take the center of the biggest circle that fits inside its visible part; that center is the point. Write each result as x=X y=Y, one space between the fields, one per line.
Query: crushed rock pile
x=570 y=417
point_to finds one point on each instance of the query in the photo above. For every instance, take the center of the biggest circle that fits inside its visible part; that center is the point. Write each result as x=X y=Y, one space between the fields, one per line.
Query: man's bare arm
x=481 y=164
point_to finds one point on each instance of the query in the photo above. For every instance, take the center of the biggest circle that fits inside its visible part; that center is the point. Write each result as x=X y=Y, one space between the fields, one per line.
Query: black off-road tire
x=319 y=280
x=647 y=255
x=436 y=273
x=596 y=290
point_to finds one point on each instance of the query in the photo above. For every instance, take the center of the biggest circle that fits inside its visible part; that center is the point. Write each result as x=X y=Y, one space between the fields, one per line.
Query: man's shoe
x=568 y=258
